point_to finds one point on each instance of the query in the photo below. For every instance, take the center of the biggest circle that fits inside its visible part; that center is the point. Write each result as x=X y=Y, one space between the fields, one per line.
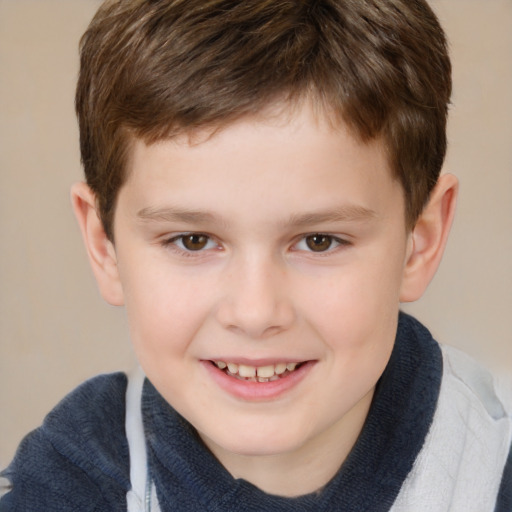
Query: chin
x=259 y=443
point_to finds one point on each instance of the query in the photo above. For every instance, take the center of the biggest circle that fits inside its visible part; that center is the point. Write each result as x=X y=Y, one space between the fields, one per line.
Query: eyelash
x=175 y=242
x=333 y=241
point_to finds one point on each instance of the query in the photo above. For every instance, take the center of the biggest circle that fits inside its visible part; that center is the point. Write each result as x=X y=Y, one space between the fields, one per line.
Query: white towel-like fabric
x=460 y=466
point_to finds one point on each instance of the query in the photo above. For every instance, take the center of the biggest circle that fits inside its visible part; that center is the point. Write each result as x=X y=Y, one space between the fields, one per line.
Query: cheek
x=164 y=311
x=353 y=296
x=356 y=307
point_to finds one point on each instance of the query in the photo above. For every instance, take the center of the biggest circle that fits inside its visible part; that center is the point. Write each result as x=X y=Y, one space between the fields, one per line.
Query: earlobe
x=101 y=251
x=428 y=239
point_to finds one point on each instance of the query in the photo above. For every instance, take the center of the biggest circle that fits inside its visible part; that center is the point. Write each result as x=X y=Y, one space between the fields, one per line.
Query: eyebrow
x=170 y=214
x=346 y=213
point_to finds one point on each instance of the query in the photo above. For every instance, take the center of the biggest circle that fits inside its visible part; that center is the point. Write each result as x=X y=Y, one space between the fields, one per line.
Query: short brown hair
x=155 y=68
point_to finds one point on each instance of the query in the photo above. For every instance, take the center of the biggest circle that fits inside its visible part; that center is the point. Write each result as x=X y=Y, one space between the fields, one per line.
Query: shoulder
x=78 y=458
x=484 y=403
x=92 y=413
x=472 y=384
x=465 y=459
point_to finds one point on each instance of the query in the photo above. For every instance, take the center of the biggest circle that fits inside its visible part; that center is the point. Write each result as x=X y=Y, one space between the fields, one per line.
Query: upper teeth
x=265 y=372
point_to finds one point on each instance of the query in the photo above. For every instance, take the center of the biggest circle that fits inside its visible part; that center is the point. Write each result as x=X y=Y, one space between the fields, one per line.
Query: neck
x=304 y=470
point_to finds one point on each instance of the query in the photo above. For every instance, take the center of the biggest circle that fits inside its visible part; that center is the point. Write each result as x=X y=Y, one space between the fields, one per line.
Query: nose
x=256 y=300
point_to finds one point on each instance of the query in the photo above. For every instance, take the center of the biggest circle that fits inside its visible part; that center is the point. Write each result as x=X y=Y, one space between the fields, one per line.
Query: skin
x=259 y=288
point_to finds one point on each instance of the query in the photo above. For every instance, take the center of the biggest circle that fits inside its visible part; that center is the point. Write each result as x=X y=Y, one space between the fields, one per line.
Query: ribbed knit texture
x=78 y=460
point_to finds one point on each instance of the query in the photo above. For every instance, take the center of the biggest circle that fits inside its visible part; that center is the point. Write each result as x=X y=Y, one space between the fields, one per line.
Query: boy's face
x=272 y=242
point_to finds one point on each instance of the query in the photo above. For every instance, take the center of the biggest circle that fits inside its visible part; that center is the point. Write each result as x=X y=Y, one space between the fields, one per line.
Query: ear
x=428 y=239
x=101 y=251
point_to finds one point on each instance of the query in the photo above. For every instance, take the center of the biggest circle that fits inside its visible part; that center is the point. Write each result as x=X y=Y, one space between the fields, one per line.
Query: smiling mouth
x=268 y=373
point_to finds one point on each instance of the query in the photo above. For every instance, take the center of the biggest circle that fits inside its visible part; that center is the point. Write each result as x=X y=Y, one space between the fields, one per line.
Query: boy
x=262 y=192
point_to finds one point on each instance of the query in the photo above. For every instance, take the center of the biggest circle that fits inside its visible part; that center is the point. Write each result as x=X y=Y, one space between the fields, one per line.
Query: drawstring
x=142 y=495
x=147 y=500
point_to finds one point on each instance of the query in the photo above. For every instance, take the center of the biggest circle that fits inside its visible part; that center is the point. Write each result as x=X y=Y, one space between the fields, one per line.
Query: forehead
x=286 y=161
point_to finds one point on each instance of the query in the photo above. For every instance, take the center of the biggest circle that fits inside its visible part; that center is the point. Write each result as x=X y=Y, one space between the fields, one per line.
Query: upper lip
x=267 y=361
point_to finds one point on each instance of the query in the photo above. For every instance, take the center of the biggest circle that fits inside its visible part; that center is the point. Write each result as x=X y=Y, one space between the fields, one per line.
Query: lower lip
x=258 y=391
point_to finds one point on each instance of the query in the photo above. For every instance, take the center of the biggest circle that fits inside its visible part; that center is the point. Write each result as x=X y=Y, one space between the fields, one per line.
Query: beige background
x=54 y=329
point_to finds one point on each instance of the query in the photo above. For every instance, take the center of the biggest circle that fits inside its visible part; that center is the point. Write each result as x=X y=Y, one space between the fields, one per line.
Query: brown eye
x=194 y=242
x=319 y=242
